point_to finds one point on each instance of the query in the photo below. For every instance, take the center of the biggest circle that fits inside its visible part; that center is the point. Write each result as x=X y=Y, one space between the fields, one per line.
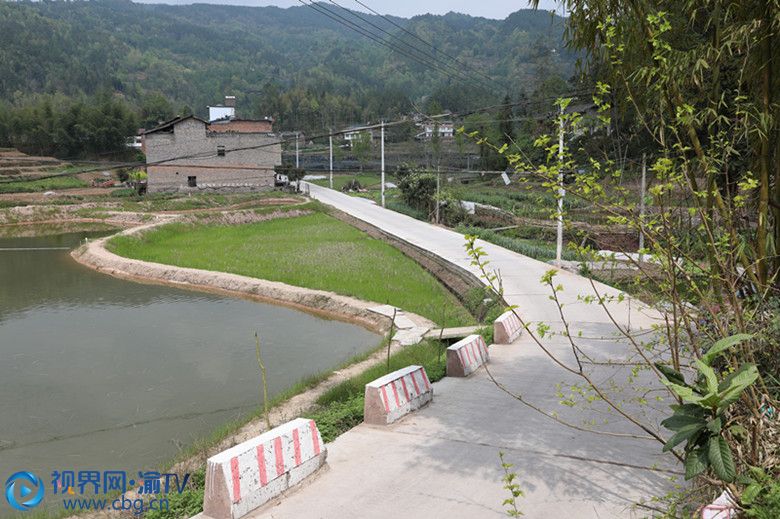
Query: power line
x=433 y=58
x=351 y=25
x=454 y=59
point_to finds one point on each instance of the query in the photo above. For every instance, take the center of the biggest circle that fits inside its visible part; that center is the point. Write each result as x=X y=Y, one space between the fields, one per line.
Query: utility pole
x=642 y=207
x=383 y=163
x=438 y=188
x=330 y=138
x=297 y=163
x=561 y=191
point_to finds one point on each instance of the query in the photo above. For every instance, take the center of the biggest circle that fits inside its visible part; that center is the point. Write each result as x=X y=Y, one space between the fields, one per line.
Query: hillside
x=296 y=64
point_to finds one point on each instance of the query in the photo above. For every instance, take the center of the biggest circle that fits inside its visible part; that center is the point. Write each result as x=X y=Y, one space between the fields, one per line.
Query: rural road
x=443 y=461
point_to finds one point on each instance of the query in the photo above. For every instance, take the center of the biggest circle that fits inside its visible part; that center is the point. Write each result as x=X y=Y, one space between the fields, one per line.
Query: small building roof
x=219 y=126
x=167 y=125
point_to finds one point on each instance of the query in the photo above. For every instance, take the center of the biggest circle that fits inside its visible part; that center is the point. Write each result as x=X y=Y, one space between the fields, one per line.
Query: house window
x=220 y=151
x=192 y=181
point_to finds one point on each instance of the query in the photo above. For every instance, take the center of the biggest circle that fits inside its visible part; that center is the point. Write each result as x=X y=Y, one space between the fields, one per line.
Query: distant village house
x=225 y=154
x=355 y=132
x=446 y=130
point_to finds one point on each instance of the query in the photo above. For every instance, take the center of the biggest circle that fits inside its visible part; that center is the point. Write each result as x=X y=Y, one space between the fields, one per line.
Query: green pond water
x=103 y=374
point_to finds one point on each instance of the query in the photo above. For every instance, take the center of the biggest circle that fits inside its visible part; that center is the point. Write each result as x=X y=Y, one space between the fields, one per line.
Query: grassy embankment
x=314 y=251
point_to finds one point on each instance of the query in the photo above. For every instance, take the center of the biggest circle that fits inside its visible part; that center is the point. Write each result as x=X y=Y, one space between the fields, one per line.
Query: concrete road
x=443 y=460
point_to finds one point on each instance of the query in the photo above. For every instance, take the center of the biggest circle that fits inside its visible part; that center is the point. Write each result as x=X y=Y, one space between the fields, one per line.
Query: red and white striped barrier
x=723 y=507
x=248 y=475
x=397 y=394
x=466 y=356
x=507 y=328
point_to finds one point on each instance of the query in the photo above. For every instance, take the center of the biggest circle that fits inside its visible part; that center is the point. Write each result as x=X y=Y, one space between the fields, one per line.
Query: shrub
x=418 y=189
x=516 y=244
x=352 y=185
x=124 y=193
x=761 y=498
x=186 y=504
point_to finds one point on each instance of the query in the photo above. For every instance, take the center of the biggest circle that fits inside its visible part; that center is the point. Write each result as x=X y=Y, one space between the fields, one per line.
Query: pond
x=100 y=373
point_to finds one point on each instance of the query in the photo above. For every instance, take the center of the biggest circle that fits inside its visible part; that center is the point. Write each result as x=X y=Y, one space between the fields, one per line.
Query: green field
x=45 y=184
x=314 y=251
x=368 y=180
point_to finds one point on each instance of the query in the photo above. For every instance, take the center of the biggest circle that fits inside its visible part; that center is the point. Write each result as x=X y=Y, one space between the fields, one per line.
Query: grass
x=314 y=251
x=44 y=184
x=536 y=249
x=367 y=180
x=179 y=202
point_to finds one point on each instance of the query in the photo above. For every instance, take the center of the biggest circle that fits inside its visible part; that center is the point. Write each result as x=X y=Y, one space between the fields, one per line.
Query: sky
x=497 y=9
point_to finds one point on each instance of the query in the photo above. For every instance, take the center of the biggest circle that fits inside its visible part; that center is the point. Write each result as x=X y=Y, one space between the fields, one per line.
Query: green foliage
x=185 y=504
x=418 y=189
x=124 y=193
x=306 y=70
x=487 y=332
x=761 y=498
x=484 y=305
x=68 y=126
x=531 y=248
x=399 y=206
x=352 y=185
x=338 y=416
x=509 y=478
x=138 y=175
x=700 y=420
x=45 y=184
x=361 y=147
x=451 y=211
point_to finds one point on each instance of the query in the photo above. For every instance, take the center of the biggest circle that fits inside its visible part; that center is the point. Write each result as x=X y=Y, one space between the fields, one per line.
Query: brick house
x=189 y=154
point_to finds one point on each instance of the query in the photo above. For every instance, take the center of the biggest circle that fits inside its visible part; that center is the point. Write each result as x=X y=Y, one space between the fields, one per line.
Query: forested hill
x=297 y=64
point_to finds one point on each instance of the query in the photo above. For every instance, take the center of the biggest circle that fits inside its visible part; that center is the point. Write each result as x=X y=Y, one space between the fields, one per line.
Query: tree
x=701 y=90
x=155 y=108
x=361 y=147
x=506 y=126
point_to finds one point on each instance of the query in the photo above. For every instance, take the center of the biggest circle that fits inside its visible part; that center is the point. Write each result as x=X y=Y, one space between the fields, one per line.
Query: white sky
x=498 y=9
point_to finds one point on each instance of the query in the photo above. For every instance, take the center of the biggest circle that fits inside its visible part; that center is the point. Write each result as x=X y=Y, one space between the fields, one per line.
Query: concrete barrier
x=248 y=475
x=397 y=394
x=466 y=355
x=506 y=328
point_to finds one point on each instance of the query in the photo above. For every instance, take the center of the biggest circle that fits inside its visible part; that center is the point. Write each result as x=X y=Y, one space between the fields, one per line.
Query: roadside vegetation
x=692 y=101
x=314 y=251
